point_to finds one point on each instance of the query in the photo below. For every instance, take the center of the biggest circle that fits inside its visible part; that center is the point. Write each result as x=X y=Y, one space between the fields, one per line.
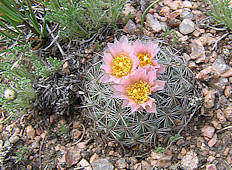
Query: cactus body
x=175 y=103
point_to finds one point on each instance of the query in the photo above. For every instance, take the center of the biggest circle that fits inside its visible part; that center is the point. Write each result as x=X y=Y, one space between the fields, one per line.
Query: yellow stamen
x=139 y=92
x=122 y=66
x=145 y=59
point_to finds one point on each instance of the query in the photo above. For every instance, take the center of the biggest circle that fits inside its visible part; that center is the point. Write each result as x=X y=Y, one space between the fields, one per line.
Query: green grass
x=83 y=19
x=221 y=11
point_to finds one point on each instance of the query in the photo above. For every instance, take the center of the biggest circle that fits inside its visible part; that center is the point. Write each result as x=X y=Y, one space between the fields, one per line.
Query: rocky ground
x=46 y=141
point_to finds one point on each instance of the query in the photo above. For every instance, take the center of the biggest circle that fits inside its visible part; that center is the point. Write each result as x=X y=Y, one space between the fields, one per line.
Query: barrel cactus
x=175 y=104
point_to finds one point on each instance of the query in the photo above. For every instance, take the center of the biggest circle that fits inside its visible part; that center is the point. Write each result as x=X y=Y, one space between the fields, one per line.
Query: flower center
x=122 y=66
x=145 y=59
x=139 y=92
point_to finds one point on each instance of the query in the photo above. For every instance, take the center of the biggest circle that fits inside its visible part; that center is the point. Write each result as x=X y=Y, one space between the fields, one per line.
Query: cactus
x=176 y=104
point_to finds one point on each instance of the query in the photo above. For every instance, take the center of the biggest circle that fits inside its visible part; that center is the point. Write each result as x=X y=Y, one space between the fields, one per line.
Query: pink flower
x=146 y=53
x=136 y=88
x=119 y=61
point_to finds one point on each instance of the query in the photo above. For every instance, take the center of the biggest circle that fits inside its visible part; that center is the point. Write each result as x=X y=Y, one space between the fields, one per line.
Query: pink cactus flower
x=119 y=61
x=146 y=53
x=136 y=88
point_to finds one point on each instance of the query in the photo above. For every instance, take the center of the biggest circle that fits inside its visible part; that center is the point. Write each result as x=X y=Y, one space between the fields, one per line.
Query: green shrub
x=221 y=11
x=82 y=19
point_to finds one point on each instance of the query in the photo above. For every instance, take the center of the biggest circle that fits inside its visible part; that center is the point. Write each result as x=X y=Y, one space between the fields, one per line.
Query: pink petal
x=158 y=85
x=107 y=58
x=105 y=78
x=152 y=109
x=106 y=68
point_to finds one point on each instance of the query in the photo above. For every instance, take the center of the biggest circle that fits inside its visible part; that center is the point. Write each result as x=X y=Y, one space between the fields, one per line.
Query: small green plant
x=82 y=19
x=20 y=154
x=18 y=15
x=171 y=32
x=221 y=11
x=160 y=149
x=17 y=89
x=63 y=130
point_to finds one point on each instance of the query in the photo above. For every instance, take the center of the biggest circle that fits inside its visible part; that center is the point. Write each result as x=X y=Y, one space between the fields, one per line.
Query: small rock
x=227 y=91
x=198 y=51
x=207 y=39
x=187 y=4
x=65 y=67
x=174 y=22
x=208 y=131
x=227 y=73
x=207 y=74
x=210 y=159
x=190 y=161
x=220 y=65
x=85 y=164
x=220 y=116
x=186 y=14
x=229 y=159
x=30 y=131
x=165 y=11
x=216 y=124
x=129 y=10
x=228 y=113
x=209 y=99
x=13 y=139
x=211 y=167
x=76 y=134
x=93 y=158
x=219 y=84
x=174 y=5
x=102 y=164
x=130 y=27
x=153 y=23
x=187 y=26
x=212 y=141
x=121 y=163
x=161 y=160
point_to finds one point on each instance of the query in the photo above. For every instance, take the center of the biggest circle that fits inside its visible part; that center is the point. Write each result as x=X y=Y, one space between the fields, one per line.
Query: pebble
x=212 y=141
x=198 y=51
x=220 y=64
x=220 y=116
x=229 y=159
x=85 y=164
x=94 y=157
x=13 y=139
x=121 y=163
x=187 y=4
x=209 y=99
x=208 y=131
x=216 y=124
x=76 y=134
x=186 y=14
x=219 y=84
x=165 y=11
x=187 y=26
x=227 y=91
x=153 y=23
x=228 y=113
x=174 y=5
x=30 y=132
x=190 y=161
x=210 y=159
x=161 y=160
x=129 y=10
x=211 y=167
x=102 y=164
x=208 y=73
x=227 y=73
x=130 y=27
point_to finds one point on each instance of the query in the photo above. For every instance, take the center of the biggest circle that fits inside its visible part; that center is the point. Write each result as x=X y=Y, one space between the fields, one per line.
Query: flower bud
x=10 y=94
